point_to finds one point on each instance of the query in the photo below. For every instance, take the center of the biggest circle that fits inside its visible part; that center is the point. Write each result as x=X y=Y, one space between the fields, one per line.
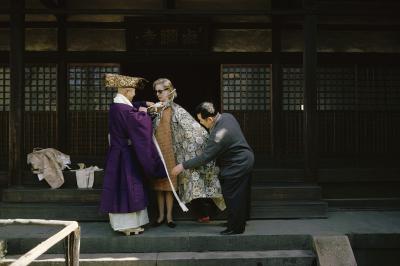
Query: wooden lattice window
x=336 y=88
x=378 y=88
x=392 y=88
x=4 y=88
x=86 y=87
x=246 y=87
x=292 y=88
x=245 y=93
x=40 y=101
x=41 y=88
x=4 y=109
x=88 y=107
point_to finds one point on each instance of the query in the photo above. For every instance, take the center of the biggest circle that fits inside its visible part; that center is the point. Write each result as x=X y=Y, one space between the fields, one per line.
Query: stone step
x=47 y=195
x=364 y=203
x=89 y=212
x=286 y=192
x=339 y=175
x=373 y=189
x=266 y=175
x=288 y=209
x=75 y=195
x=221 y=258
x=185 y=237
x=51 y=211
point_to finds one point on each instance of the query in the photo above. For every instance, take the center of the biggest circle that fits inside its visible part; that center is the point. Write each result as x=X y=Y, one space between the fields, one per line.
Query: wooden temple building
x=315 y=85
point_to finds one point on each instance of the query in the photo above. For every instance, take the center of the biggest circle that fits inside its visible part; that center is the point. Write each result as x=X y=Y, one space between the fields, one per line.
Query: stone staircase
x=361 y=188
x=188 y=244
x=273 y=196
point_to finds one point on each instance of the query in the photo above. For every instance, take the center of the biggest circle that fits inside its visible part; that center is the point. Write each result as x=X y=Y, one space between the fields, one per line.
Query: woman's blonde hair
x=167 y=84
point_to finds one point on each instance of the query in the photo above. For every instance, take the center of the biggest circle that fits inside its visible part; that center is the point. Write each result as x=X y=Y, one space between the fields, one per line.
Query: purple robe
x=128 y=166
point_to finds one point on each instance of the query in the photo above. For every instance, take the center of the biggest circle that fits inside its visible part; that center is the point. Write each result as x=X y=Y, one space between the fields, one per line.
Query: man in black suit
x=228 y=146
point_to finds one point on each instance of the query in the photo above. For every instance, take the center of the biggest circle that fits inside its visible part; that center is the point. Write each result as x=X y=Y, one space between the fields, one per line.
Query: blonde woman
x=181 y=138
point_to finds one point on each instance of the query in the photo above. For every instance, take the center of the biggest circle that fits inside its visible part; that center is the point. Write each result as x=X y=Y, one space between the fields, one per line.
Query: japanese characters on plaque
x=169 y=36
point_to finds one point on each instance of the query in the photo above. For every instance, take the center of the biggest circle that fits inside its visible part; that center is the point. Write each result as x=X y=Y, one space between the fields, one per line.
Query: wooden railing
x=71 y=233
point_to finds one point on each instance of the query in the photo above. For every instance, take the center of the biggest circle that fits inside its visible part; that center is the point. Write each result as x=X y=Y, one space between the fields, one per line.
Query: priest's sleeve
x=140 y=133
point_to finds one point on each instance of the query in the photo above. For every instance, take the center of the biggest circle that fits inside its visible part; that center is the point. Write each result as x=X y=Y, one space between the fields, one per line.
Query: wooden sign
x=167 y=36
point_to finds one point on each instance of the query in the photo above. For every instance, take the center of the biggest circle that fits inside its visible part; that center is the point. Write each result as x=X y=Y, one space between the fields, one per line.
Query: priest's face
x=130 y=93
x=162 y=93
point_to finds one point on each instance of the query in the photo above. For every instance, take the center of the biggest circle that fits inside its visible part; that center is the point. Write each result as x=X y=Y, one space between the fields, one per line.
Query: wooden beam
x=354 y=8
x=62 y=87
x=17 y=77
x=158 y=12
x=310 y=93
x=276 y=91
x=168 y=4
x=112 y=57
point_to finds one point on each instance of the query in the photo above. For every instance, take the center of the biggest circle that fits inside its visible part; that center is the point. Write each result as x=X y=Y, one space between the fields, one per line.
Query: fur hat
x=120 y=81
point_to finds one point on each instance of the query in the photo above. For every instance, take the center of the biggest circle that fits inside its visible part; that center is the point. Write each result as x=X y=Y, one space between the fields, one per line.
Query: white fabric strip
x=181 y=204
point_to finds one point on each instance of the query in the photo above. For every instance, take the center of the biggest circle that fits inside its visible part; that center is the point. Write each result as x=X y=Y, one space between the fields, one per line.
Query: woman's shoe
x=171 y=224
x=157 y=224
x=205 y=219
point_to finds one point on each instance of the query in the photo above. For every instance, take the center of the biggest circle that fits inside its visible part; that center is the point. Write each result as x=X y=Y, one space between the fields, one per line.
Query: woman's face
x=162 y=93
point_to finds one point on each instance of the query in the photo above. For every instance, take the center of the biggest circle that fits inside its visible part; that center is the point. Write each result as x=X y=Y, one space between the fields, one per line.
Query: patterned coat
x=189 y=139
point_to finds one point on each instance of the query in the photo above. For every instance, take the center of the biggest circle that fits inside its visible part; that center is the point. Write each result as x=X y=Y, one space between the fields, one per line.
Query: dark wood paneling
x=39 y=130
x=87 y=133
x=310 y=92
x=292 y=131
x=17 y=44
x=256 y=129
x=4 y=140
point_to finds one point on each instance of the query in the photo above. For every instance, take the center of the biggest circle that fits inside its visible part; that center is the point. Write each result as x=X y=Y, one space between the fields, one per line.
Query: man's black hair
x=206 y=109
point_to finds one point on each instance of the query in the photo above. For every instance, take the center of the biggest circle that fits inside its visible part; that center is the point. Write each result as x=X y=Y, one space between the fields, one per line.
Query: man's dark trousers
x=237 y=197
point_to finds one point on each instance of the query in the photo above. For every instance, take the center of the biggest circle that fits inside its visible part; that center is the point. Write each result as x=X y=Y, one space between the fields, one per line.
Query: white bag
x=85 y=176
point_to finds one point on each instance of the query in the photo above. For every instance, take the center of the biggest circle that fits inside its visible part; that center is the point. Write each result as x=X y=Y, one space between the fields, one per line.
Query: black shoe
x=228 y=232
x=171 y=224
x=157 y=224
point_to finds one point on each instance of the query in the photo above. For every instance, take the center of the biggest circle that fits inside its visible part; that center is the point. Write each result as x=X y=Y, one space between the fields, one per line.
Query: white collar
x=119 y=98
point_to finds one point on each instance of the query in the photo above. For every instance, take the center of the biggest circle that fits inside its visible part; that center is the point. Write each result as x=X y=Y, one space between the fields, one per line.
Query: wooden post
x=76 y=247
x=17 y=77
x=72 y=248
x=62 y=87
x=276 y=92
x=66 y=247
x=310 y=91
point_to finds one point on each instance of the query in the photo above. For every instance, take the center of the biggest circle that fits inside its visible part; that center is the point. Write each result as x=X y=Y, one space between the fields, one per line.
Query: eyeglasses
x=160 y=91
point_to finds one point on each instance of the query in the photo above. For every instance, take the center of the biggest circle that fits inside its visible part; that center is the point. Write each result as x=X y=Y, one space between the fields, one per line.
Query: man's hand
x=142 y=109
x=177 y=170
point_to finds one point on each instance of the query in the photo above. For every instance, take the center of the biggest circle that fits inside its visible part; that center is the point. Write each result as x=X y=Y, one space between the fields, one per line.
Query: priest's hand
x=177 y=170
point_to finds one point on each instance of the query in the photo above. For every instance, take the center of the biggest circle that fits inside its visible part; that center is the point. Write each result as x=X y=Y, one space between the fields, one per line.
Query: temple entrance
x=194 y=83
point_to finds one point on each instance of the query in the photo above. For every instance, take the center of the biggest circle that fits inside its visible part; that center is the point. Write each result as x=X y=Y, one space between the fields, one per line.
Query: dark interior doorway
x=194 y=82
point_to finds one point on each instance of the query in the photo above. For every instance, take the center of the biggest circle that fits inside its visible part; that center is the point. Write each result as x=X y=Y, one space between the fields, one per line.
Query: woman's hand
x=148 y=104
x=142 y=109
